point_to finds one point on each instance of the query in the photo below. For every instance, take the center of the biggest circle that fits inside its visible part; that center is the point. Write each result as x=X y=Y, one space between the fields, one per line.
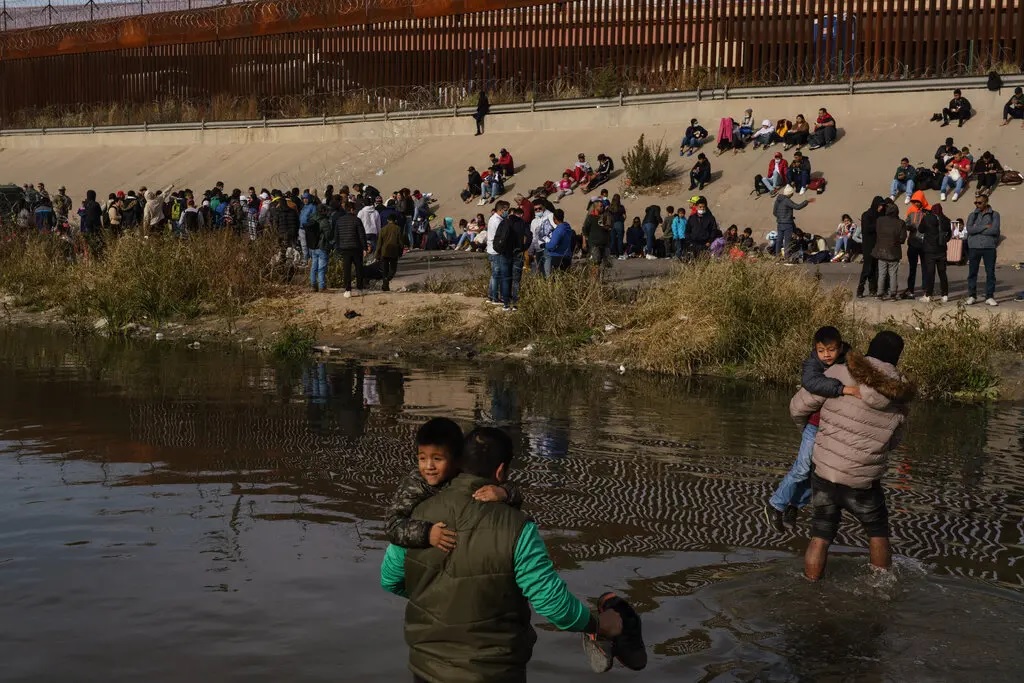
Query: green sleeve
x=543 y=587
x=392 y=571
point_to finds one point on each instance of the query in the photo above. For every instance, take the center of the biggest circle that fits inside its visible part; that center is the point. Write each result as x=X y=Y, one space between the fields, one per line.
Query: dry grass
x=439 y=321
x=136 y=279
x=752 y=316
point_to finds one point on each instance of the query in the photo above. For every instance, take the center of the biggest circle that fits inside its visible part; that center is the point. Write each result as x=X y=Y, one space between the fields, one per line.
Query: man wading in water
x=851 y=451
x=498 y=567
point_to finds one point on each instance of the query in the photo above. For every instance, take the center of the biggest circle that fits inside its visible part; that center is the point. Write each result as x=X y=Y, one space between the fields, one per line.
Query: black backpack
x=995 y=81
x=502 y=236
x=313 y=234
x=759 y=188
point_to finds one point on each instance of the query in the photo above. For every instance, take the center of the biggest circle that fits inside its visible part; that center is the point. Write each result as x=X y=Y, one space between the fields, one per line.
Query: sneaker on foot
x=629 y=646
x=925 y=299
x=991 y=302
x=598 y=652
x=803 y=190
x=892 y=198
x=942 y=196
x=970 y=301
x=774 y=518
x=945 y=299
x=956 y=196
x=347 y=294
x=789 y=516
x=651 y=257
x=906 y=200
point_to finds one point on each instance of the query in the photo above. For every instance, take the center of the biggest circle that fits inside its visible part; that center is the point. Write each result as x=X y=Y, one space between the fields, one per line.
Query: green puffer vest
x=467 y=621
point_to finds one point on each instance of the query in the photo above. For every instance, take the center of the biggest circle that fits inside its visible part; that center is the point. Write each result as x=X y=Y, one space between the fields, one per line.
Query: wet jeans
x=795 y=487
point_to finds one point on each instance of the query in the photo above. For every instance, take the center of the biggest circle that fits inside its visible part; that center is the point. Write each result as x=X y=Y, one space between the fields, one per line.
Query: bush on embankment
x=138 y=279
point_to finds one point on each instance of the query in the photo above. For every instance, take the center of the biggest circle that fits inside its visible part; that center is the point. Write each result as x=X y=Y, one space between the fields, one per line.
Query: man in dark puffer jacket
x=350 y=242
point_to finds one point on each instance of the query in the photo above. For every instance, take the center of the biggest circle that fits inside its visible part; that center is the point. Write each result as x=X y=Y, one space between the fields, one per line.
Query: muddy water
x=172 y=515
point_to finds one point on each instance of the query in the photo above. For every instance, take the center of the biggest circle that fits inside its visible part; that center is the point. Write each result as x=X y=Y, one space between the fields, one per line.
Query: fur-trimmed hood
x=880 y=376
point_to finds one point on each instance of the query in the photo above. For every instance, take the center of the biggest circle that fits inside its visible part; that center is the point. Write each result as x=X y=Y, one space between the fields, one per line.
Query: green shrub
x=294 y=342
x=645 y=164
x=949 y=357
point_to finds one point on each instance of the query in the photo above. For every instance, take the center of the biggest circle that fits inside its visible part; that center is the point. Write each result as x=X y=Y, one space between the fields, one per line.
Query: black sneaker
x=789 y=516
x=629 y=646
x=598 y=652
x=774 y=518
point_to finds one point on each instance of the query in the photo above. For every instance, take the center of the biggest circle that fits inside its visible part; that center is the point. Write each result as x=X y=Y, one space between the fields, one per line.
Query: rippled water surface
x=172 y=515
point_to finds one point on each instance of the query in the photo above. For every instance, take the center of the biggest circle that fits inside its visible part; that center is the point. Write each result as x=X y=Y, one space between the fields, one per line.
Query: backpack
x=759 y=188
x=995 y=81
x=105 y=217
x=1011 y=177
x=923 y=177
x=502 y=236
x=313 y=234
x=817 y=184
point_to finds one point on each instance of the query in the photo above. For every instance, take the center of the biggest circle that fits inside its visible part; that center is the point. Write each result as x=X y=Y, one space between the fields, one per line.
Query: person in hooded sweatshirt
x=851 y=450
x=891 y=234
x=783 y=209
x=869 y=235
x=700 y=228
x=919 y=211
x=935 y=235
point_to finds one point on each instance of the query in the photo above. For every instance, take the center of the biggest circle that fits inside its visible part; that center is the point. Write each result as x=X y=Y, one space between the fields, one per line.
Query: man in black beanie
x=851 y=451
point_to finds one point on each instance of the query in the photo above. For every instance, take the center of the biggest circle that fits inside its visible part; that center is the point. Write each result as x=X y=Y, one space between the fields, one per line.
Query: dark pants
x=479 y=117
x=933 y=262
x=562 y=263
x=987 y=181
x=349 y=258
x=796 y=137
x=649 y=229
x=975 y=259
x=618 y=233
x=388 y=268
x=823 y=136
x=1009 y=113
x=914 y=257
x=960 y=116
x=699 y=178
x=505 y=280
x=828 y=500
x=868 y=271
x=517 y=277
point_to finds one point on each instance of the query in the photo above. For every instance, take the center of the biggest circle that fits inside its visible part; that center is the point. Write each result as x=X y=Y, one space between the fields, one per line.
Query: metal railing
x=746 y=93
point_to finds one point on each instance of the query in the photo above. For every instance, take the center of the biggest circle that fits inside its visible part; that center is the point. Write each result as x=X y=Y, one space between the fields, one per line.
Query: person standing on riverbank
x=486 y=634
x=869 y=237
x=782 y=210
x=851 y=451
x=982 y=240
x=349 y=240
x=891 y=234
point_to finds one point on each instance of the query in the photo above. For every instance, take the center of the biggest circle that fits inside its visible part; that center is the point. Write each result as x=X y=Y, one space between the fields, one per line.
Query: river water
x=171 y=514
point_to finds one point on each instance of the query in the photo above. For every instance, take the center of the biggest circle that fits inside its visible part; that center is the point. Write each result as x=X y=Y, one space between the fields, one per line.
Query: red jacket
x=783 y=169
x=506 y=162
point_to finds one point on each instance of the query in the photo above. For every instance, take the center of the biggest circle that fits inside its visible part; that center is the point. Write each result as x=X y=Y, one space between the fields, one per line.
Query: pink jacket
x=856 y=434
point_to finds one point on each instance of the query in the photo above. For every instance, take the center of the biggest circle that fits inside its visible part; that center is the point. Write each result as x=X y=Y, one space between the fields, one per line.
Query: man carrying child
x=852 y=448
x=497 y=566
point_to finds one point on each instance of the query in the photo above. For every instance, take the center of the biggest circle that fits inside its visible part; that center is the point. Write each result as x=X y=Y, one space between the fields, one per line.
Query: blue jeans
x=515 y=276
x=773 y=182
x=493 y=293
x=948 y=182
x=795 y=487
x=318 y=268
x=692 y=142
x=543 y=263
x=505 y=279
x=649 y=229
x=680 y=247
x=898 y=187
x=973 y=261
x=618 y=234
x=463 y=238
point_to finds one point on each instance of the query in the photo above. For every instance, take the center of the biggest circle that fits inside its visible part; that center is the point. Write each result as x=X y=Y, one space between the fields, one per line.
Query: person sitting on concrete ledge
x=987 y=172
x=824 y=130
x=777 y=174
x=581 y=170
x=693 y=138
x=798 y=135
x=507 y=164
x=957 y=171
x=473 y=186
x=959 y=109
x=903 y=180
x=762 y=137
x=800 y=172
x=700 y=174
x=945 y=152
x=605 y=166
x=1014 y=108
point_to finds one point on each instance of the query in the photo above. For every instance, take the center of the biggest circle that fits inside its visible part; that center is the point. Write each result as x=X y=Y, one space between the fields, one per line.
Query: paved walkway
x=417 y=266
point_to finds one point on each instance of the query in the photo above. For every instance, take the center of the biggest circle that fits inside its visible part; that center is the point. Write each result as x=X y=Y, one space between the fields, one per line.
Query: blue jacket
x=678 y=228
x=307 y=214
x=560 y=244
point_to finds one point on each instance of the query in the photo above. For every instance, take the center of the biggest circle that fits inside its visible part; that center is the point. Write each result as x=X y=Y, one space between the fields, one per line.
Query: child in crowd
x=747 y=241
x=438 y=451
x=794 y=491
x=635 y=239
x=843 y=234
x=564 y=187
x=679 y=232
